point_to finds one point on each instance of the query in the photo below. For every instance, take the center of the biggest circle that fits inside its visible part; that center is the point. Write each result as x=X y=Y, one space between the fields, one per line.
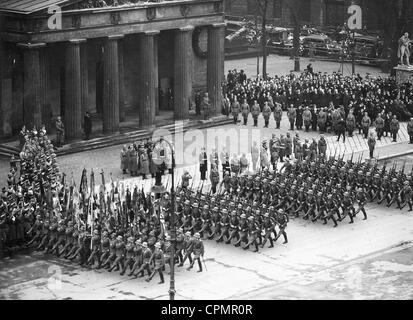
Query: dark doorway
x=62 y=92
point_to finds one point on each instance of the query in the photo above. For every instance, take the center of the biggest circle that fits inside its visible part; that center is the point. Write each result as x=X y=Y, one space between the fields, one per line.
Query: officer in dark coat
x=203 y=163
x=341 y=129
x=214 y=176
x=87 y=120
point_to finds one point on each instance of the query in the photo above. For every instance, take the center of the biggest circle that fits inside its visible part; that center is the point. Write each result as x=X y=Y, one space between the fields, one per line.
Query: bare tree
x=295 y=7
x=262 y=10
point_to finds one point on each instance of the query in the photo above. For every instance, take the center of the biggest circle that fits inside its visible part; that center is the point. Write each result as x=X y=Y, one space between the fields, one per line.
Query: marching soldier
x=187 y=248
x=104 y=248
x=406 y=196
x=233 y=227
x=361 y=201
x=198 y=250
x=93 y=259
x=253 y=232
x=137 y=256
x=269 y=229
x=331 y=209
x=120 y=255
x=224 y=226
x=282 y=220
x=146 y=260
x=347 y=207
x=130 y=255
x=159 y=259
x=112 y=251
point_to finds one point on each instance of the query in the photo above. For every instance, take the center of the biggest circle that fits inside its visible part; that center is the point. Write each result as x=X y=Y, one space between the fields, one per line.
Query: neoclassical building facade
x=63 y=57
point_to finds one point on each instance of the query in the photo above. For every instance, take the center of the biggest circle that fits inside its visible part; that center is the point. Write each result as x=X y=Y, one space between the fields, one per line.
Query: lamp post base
x=158 y=189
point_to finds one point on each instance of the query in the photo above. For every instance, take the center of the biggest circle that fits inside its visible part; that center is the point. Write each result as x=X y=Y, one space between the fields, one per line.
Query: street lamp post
x=159 y=188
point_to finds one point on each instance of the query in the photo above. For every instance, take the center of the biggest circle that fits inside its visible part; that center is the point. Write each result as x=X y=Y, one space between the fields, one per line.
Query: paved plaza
x=369 y=259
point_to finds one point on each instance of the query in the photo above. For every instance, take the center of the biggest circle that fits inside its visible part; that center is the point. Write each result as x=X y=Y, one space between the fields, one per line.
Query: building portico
x=111 y=61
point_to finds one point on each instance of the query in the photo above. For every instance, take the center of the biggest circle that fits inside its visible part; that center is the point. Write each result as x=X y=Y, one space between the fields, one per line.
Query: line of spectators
x=320 y=101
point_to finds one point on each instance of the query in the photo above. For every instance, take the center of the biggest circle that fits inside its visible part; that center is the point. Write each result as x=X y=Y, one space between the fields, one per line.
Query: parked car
x=320 y=45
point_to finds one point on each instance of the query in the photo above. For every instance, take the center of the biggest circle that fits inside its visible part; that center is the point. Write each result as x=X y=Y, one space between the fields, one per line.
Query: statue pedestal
x=404 y=74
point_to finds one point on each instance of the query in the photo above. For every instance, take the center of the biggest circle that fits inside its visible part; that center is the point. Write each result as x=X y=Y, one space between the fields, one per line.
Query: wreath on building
x=195 y=43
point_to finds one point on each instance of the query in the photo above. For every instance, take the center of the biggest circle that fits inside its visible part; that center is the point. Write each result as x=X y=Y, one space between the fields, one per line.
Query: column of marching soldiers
x=114 y=228
x=122 y=229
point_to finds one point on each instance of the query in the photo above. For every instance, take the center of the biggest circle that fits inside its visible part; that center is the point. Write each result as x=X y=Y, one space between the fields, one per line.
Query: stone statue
x=404 y=49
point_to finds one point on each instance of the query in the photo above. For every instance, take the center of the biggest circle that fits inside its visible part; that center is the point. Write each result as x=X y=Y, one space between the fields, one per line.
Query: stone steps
x=7 y=151
x=129 y=137
x=123 y=138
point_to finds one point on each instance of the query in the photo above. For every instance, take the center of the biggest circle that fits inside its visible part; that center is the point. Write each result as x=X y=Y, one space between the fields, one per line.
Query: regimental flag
x=83 y=183
x=103 y=185
x=92 y=183
x=145 y=203
x=122 y=192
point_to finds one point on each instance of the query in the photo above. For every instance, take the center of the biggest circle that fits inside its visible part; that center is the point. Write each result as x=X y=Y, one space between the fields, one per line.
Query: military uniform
x=278 y=112
x=159 y=259
x=291 y=114
x=394 y=128
x=255 y=111
x=235 y=109
x=198 y=250
x=214 y=177
x=245 y=110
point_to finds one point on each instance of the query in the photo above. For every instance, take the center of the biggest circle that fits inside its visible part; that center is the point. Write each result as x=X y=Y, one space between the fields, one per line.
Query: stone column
x=44 y=85
x=121 y=43
x=32 y=100
x=73 y=94
x=182 y=72
x=156 y=74
x=147 y=90
x=111 y=85
x=215 y=71
x=322 y=9
x=84 y=76
x=6 y=95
